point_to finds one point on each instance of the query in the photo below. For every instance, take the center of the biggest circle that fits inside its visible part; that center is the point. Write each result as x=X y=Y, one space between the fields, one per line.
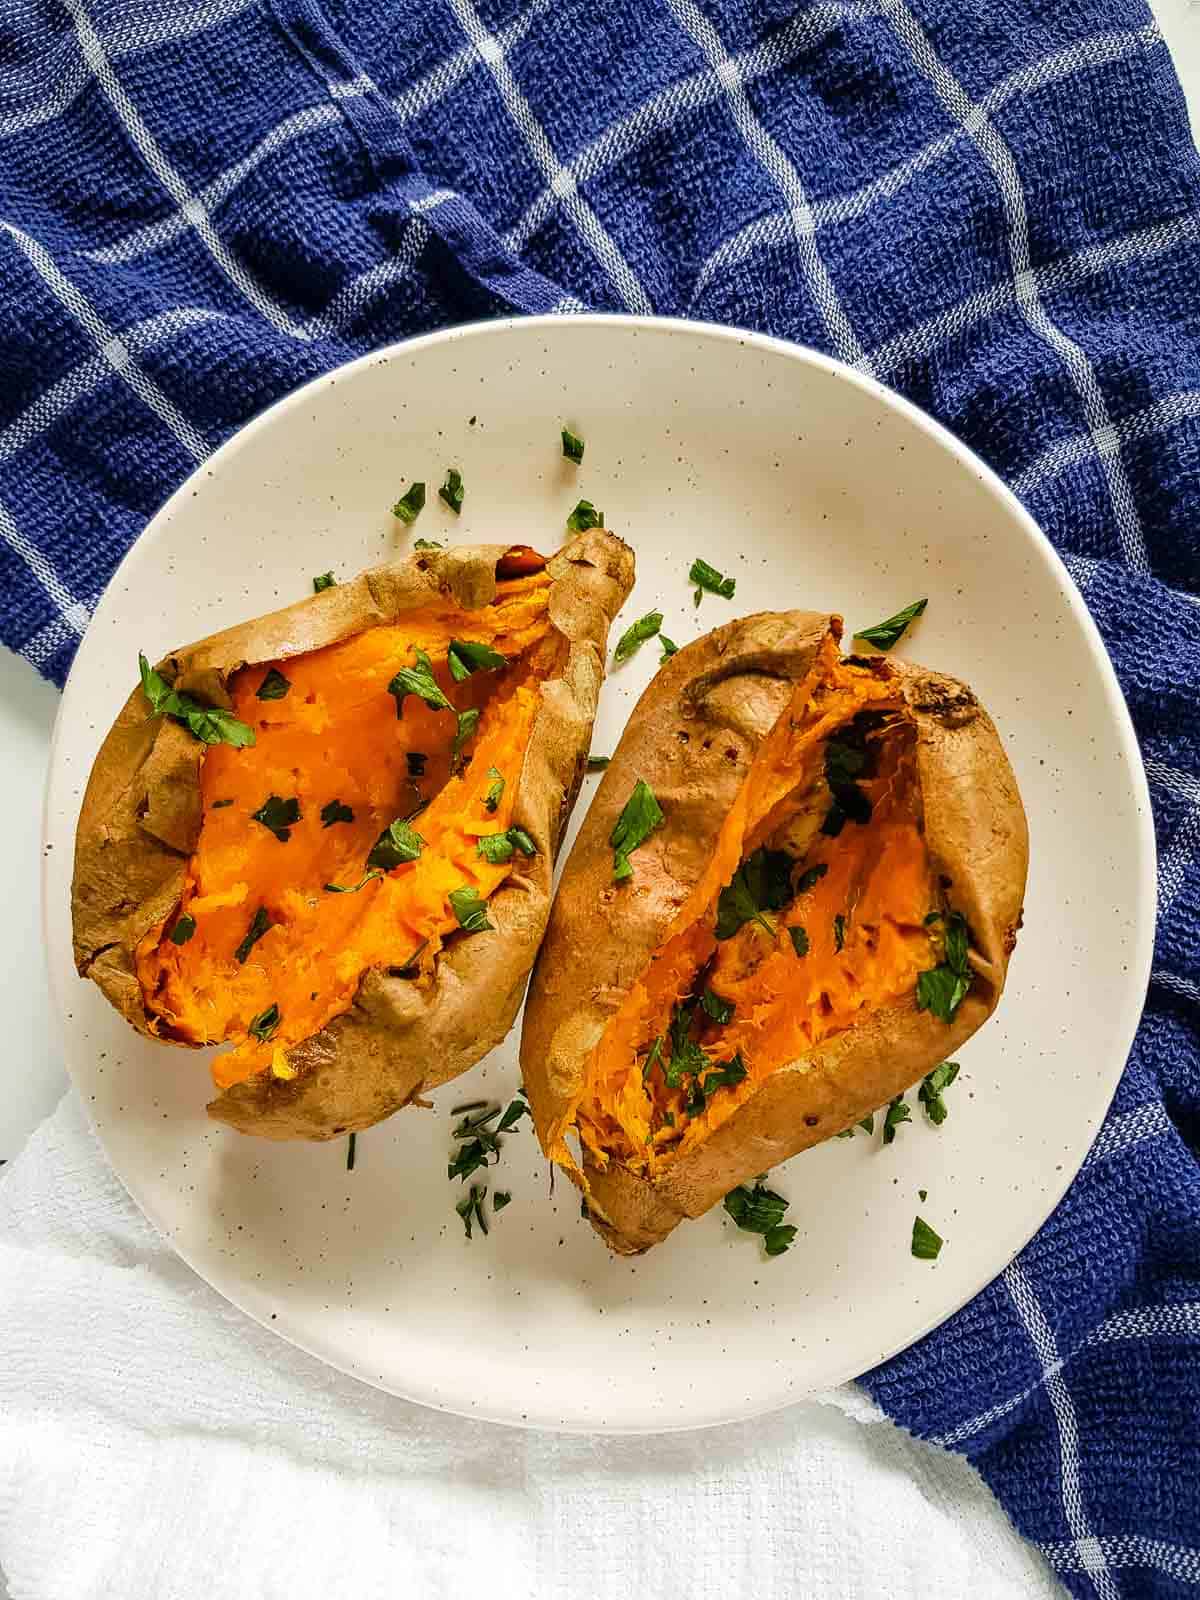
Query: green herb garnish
x=399 y=842
x=274 y=686
x=597 y=763
x=498 y=847
x=470 y=910
x=655 y=1054
x=572 y=446
x=845 y=762
x=353 y=888
x=639 y=817
x=943 y=988
x=811 y=877
x=410 y=504
x=719 y=1010
x=500 y=1199
x=452 y=490
x=932 y=1088
x=468 y=721
x=278 y=815
x=635 y=636
x=209 y=724
x=183 y=930
x=471 y=1207
x=428 y=544
x=839 y=933
x=495 y=789
x=264 y=1024
x=416 y=763
x=799 y=940
x=259 y=923
x=350 y=1142
x=334 y=811
x=708 y=580
x=324 y=580
x=669 y=648
x=219 y=805
x=897 y=1112
x=760 y=1210
x=885 y=634
x=585 y=516
x=418 y=680
x=513 y=1112
x=926 y=1244
x=466 y=656
x=724 y=1075
x=762 y=883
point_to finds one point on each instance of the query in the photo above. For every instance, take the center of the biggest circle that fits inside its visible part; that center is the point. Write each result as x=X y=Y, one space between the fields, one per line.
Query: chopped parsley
x=943 y=988
x=399 y=842
x=497 y=847
x=885 y=634
x=466 y=656
x=799 y=940
x=264 y=1024
x=260 y=922
x=719 y=1010
x=761 y=884
x=418 y=680
x=219 y=805
x=636 y=635
x=585 y=516
x=867 y=1124
x=452 y=490
x=846 y=761
x=334 y=811
x=183 y=930
x=724 y=1075
x=416 y=760
x=597 y=763
x=572 y=446
x=809 y=878
x=513 y=1112
x=428 y=544
x=495 y=789
x=760 y=1210
x=471 y=1206
x=470 y=910
x=926 y=1244
x=669 y=648
x=410 y=504
x=932 y=1088
x=639 y=817
x=350 y=1152
x=839 y=933
x=324 y=580
x=274 y=686
x=500 y=1199
x=353 y=888
x=209 y=724
x=708 y=580
x=478 y=1141
x=897 y=1112
x=468 y=721
x=278 y=816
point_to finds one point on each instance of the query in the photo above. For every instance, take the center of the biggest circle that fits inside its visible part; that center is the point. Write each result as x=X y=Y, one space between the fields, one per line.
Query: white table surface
x=35 y=1077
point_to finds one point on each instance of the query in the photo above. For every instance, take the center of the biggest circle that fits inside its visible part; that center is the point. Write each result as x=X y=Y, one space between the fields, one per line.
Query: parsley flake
x=897 y=1112
x=926 y=1244
x=398 y=843
x=324 y=580
x=183 y=930
x=635 y=636
x=495 y=789
x=943 y=988
x=572 y=446
x=209 y=724
x=708 y=580
x=584 y=517
x=885 y=634
x=761 y=884
x=278 y=816
x=418 y=680
x=799 y=940
x=470 y=910
x=264 y=1024
x=466 y=656
x=639 y=817
x=719 y=1010
x=452 y=490
x=274 y=686
x=259 y=924
x=410 y=504
x=932 y=1088
x=760 y=1210
x=334 y=811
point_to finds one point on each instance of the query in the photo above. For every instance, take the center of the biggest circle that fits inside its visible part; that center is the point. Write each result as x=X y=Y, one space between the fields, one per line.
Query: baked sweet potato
x=332 y=848
x=824 y=912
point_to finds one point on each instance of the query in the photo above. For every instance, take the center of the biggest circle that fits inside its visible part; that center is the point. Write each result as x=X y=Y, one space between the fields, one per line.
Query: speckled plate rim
x=1144 y=877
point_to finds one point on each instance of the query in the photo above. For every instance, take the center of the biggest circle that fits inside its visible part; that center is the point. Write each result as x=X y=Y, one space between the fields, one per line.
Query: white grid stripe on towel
x=156 y=160
x=1127 y=1550
x=1184 y=987
x=72 y=612
x=1163 y=415
x=107 y=342
x=1046 y=1349
x=1099 y=50
x=1140 y=1322
x=1130 y=1128
x=774 y=162
x=999 y=158
x=588 y=224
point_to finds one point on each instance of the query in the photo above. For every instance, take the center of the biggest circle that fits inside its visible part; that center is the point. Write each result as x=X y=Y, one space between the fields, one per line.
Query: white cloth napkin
x=157 y=1445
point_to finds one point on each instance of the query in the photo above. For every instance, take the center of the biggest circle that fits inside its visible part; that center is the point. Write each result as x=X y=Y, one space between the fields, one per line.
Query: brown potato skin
x=601 y=935
x=140 y=822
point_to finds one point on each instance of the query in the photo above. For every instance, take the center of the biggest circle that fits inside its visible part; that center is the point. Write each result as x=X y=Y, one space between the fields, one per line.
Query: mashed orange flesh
x=336 y=736
x=863 y=920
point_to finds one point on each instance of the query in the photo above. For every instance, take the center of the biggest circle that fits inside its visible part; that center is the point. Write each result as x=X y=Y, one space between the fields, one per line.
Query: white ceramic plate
x=814 y=487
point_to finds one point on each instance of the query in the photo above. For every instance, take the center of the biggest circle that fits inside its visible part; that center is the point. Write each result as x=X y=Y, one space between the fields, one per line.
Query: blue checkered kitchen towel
x=993 y=205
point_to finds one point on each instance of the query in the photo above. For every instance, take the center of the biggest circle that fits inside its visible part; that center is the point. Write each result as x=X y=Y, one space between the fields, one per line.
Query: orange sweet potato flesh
x=876 y=878
x=335 y=736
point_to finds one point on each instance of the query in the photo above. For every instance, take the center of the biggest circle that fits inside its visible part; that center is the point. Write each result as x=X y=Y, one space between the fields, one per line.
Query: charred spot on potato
x=337 y=737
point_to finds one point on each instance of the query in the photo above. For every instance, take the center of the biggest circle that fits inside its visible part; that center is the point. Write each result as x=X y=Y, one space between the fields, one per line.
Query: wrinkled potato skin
x=140 y=822
x=723 y=692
